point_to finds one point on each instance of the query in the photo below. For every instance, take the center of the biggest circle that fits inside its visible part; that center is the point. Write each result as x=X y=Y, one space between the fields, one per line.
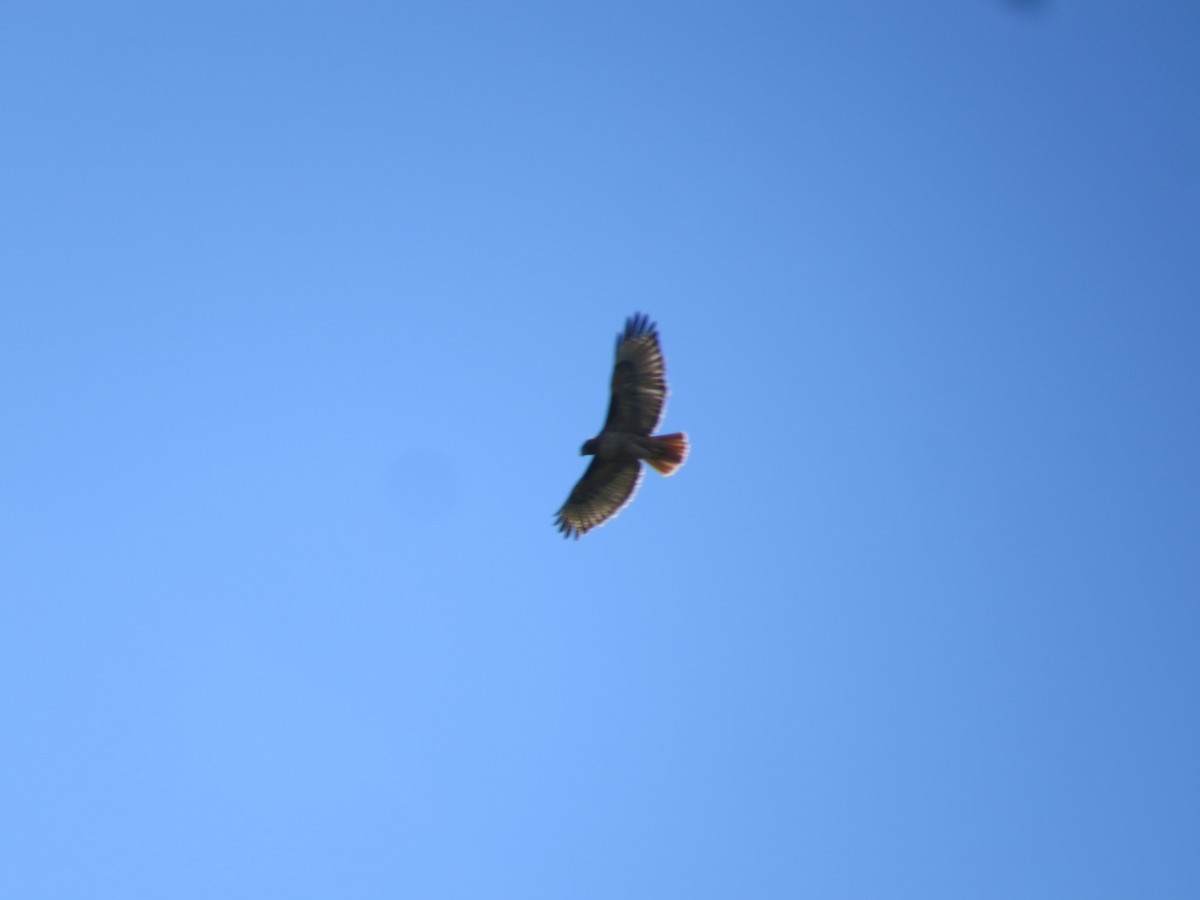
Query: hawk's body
x=639 y=392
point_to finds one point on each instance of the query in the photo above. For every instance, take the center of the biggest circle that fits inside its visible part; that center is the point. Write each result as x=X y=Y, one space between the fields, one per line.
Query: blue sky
x=307 y=307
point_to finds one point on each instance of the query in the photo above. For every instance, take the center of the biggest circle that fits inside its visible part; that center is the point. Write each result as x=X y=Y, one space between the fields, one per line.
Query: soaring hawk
x=639 y=392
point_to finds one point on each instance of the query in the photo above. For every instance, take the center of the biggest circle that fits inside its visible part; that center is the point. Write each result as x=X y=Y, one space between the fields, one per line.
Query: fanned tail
x=668 y=451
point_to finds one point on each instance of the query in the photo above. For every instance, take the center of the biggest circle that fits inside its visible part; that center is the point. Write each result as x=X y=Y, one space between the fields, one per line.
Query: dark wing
x=605 y=487
x=639 y=379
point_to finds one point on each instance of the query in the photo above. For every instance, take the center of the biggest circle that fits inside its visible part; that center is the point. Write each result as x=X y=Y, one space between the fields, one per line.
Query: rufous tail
x=668 y=451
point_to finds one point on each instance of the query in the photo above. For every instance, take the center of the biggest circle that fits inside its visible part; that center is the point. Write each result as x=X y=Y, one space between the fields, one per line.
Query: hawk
x=639 y=392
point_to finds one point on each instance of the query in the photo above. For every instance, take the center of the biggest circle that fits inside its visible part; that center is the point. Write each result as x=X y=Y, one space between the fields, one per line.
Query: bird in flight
x=639 y=392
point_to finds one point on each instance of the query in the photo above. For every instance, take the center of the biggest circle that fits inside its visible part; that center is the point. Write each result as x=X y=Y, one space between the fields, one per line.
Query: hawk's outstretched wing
x=639 y=380
x=605 y=487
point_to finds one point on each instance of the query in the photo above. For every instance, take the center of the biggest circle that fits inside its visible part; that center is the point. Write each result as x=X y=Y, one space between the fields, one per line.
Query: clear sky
x=306 y=308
